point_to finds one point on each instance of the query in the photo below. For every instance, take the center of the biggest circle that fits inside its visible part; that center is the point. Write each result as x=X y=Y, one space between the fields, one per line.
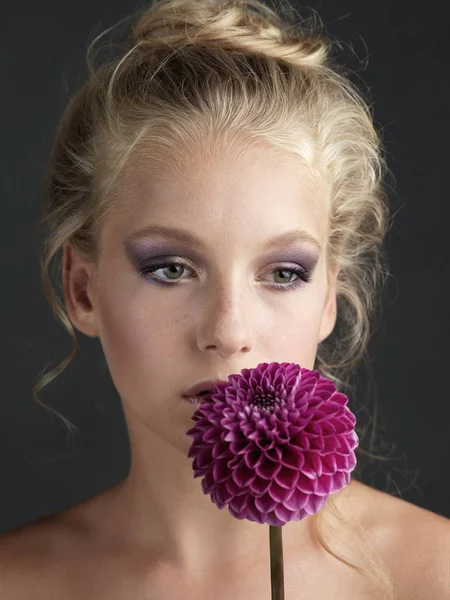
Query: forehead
x=254 y=194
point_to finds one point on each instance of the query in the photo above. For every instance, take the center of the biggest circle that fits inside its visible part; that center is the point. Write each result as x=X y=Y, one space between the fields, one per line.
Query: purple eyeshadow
x=143 y=252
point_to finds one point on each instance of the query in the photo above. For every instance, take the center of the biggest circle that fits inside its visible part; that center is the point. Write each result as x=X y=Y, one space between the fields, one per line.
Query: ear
x=78 y=283
x=329 y=314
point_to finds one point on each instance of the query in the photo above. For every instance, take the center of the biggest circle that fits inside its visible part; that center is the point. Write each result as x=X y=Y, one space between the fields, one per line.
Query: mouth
x=204 y=387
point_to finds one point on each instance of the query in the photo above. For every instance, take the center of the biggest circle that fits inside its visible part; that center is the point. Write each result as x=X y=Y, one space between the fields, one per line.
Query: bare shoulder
x=27 y=559
x=413 y=542
x=16 y=548
x=50 y=553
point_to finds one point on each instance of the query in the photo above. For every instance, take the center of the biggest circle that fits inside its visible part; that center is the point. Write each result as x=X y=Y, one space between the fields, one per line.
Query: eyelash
x=303 y=275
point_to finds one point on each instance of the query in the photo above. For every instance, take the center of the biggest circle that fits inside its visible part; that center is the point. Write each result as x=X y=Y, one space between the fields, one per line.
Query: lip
x=208 y=384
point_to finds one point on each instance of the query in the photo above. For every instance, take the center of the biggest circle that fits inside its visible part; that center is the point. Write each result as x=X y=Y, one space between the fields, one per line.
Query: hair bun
x=245 y=25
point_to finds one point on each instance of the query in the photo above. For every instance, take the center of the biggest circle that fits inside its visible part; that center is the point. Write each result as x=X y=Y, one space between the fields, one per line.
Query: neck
x=161 y=508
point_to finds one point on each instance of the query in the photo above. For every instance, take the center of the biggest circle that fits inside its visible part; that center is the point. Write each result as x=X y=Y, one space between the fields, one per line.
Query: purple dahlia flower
x=273 y=443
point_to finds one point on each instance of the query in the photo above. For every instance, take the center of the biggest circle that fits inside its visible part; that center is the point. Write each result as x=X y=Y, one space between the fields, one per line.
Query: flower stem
x=276 y=562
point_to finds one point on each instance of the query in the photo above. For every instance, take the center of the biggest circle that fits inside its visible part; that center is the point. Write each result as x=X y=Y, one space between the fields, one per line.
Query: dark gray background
x=403 y=57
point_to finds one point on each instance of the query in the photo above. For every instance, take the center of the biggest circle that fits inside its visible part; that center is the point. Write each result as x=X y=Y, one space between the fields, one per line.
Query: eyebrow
x=180 y=235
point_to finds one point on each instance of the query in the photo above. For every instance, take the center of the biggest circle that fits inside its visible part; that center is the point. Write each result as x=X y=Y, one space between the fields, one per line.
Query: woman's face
x=224 y=302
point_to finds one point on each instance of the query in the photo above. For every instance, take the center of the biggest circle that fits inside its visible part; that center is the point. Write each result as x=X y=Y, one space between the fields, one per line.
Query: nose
x=225 y=326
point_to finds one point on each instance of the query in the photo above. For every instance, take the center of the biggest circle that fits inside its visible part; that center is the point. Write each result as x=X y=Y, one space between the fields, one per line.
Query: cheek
x=300 y=344
x=136 y=339
x=301 y=327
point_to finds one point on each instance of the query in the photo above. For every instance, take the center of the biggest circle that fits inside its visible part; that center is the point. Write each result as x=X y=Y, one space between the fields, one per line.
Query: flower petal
x=273 y=443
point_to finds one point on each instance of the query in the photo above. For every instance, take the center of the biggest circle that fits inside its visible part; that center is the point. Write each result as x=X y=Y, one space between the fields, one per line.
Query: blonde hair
x=236 y=72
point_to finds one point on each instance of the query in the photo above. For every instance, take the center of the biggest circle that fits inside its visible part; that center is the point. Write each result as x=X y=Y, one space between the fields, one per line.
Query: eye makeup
x=151 y=255
x=140 y=252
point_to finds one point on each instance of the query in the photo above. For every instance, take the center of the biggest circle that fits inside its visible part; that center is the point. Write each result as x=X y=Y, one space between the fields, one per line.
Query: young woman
x=217 y=195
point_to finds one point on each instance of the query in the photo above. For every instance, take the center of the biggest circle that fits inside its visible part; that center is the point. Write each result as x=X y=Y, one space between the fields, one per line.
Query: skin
x=223 y=317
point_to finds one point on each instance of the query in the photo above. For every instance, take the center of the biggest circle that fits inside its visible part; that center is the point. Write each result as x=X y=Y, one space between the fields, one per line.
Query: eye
x=303 y=277
x=171 y=271
x=287 y=273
